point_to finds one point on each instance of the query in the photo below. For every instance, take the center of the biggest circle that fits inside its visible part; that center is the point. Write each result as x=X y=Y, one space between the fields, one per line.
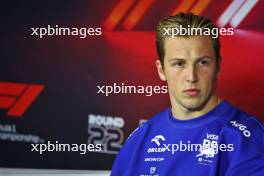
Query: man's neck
x=182 y=113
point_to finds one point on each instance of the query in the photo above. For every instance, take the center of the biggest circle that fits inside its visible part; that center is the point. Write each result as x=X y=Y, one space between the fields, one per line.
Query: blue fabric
x=153 y=149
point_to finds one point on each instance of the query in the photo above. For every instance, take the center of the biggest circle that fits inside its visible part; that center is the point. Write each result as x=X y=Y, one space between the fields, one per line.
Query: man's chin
x=193 y=105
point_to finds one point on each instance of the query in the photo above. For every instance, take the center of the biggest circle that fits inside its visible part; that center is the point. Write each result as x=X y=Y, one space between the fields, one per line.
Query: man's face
x=190 y=71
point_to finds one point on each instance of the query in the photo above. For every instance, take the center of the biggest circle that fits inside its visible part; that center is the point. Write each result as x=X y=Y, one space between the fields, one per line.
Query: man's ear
x=160 y=70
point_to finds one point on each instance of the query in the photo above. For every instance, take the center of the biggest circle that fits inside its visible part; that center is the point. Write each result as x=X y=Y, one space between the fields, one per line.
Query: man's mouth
x=192 y=92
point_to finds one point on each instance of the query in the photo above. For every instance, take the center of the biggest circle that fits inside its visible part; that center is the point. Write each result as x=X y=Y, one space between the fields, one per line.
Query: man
x=200 y=134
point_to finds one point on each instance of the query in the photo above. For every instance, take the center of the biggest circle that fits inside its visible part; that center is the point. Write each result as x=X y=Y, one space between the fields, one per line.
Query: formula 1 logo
x=17 y=97
x=157 y=138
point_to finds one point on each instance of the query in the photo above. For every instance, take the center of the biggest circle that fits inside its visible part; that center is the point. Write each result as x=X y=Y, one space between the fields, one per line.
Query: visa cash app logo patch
x=208 y=150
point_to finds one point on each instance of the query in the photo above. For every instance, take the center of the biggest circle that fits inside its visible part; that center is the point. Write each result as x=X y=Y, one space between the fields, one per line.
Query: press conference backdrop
x=53 y=87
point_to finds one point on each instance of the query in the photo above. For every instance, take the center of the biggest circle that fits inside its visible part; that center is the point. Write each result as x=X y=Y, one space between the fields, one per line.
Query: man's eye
x=203 y=62
x=178 y=64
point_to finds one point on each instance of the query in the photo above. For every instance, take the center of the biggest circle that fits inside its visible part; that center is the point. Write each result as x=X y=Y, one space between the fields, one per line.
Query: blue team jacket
x=224 y=142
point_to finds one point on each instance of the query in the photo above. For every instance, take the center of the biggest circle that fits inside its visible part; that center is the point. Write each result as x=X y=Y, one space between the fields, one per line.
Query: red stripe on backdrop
x=137 y=13
x=12 y=89
x=117 y=14
x=6 y=102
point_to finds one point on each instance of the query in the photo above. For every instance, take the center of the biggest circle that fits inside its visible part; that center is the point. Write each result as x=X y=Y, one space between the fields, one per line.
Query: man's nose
x=191 y=75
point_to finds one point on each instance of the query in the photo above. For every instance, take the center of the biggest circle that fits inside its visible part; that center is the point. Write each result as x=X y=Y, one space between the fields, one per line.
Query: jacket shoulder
x=244 y=124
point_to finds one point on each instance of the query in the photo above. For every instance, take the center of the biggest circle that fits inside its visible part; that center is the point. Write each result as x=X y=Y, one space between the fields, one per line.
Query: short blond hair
x=185 y=20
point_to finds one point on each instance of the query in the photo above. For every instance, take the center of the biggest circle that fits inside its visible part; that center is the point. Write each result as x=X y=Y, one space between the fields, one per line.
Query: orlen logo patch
x=17 y=97
x=157 y=138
